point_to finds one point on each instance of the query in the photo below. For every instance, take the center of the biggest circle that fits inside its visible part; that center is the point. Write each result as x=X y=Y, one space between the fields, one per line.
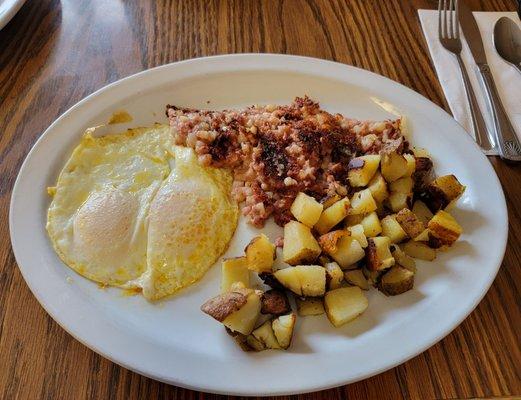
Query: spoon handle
x=509 y=147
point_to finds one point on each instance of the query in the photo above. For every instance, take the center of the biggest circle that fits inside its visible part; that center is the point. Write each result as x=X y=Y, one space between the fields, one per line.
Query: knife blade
x=509 y=145
x=471 y=32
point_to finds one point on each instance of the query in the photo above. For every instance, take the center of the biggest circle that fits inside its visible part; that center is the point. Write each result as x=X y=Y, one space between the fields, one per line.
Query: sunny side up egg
x=134 y=211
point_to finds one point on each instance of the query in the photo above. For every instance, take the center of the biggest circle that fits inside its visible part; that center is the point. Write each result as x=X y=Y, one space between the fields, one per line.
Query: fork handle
x=509 y=147
x=478 y=123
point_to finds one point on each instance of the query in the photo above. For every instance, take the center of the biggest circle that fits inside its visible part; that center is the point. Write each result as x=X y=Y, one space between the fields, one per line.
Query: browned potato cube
x=283 y=329
x=392 y=229
x=299 y=244
x=378 y=188
x=396 y=281
x=419 y=250
x=445 y=228
x=332 y=216
x=403 y=259
x=443 y=192
x=303 y=280
x=362 y=202
x=237 y=310
x=411 y=164
x=358 y=232
x=379 y=255
x=234 y=270
x=422 y=212
x=402 y=185
x=423 y=173
x=309 y=306
x=393 y=166
x=334 y=275
x=329 y=200
x=343 y=305
x=410 y=223
x=306 y=209
x=421 y=152
x=275 y=302
x=348 y=252
x=265 y=335
x=398 y=201
x=353 y=220
x=356 y=277
x=361 y=169
x=260 y=254
x=371 y=225
x=328 y=242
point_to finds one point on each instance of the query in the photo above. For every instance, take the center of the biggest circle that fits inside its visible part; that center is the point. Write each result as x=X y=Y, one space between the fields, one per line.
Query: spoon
x=507 y=39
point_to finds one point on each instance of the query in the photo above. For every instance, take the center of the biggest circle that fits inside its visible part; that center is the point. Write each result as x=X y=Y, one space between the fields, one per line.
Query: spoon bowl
x=507 y=40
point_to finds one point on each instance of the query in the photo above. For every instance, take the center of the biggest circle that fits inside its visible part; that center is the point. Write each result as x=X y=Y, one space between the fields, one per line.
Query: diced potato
x=349 y=251
x=362 y=202
x=361 y=169
x=328 y=241
x=344 y=304
x=423 y=173
x=238 y=310
x=358 y=232
x=334 y=275
x=306 y=209
x=234 y=270
x=303 y=280
x=396 y=281
x=378 y=188
x=379 y=255
x=299 y=244
x=443 y=192
x=265 y=335
x=393 y=166
x=260 y=254
x=371 y=224
x=411 y=164
x=445 y=228
x=269 y=279
x=402 y=185
x=329 y=200
x=254 y=344
x=422 y=212
x=421 y=152
x=353 y=220
x=419 y=250
x=392 y=229
x=403 y=259
x=410 y=223
x=283 y=329
x=309 y=306
x=423 y=237
x=398 y=201
x=332 y=216
x=373 y=277
x=356 y=277
x=275 y=302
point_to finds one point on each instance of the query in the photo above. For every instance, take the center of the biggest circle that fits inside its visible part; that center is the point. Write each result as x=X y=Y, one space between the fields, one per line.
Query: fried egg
x=121 y=215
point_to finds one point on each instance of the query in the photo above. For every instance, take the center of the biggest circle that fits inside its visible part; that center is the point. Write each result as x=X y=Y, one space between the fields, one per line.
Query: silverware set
x=455 y=13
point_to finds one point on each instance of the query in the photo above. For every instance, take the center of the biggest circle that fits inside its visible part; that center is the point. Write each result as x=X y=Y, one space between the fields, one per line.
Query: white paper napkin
x=507 y=78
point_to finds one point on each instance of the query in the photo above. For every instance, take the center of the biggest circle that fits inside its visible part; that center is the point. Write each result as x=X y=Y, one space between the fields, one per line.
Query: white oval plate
x=173 y=341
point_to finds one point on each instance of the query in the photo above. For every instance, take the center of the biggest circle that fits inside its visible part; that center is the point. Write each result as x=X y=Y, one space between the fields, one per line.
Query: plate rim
x=455 y=321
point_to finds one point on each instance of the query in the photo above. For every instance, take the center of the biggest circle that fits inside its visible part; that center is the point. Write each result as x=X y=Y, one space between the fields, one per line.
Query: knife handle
x=509 y=147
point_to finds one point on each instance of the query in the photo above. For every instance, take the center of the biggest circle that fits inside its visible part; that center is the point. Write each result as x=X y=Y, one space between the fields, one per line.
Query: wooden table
x=54 y=53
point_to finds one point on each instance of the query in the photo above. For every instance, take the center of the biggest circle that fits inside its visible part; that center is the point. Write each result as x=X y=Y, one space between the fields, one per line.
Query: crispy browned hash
x=275 y=152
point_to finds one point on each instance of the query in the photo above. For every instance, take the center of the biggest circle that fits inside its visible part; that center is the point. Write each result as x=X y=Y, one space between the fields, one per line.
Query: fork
x=448 y=33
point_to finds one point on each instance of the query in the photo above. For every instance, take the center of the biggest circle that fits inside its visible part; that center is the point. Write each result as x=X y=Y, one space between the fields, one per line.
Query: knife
x=509 y=146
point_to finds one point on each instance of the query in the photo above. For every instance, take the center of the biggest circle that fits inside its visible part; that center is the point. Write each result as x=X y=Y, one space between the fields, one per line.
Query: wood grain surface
x=54 y=53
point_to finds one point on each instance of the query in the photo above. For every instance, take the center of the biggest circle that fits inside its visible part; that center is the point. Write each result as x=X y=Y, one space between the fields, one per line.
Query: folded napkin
x=507 y=78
